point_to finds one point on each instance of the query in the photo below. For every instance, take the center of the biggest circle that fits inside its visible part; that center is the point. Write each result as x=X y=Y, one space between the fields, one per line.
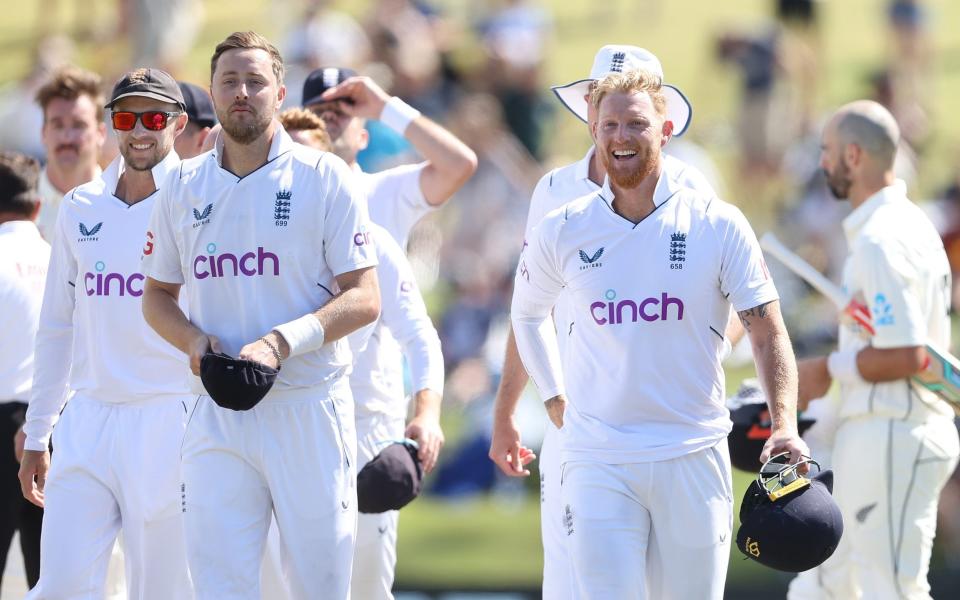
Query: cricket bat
x=942 y=373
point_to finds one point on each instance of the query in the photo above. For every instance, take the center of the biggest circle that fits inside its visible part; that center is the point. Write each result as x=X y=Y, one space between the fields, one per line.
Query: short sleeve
x=161 y=253
x=888 y=282
x=539 y=205
x=744 y=277
x=396 y=201
x=347 y=240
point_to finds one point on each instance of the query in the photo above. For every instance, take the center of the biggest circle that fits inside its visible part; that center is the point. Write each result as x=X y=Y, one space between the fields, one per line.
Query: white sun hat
x=619 y=59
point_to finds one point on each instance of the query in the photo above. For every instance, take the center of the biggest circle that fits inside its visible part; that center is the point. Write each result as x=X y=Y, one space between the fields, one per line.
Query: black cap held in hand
x=148 y=83
x=391 y=480
x=321 y=80
x=794 y=533
x=752 y=425
x=235 y=383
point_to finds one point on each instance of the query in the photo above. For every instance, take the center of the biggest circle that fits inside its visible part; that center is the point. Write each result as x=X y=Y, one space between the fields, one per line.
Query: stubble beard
x=245 y=133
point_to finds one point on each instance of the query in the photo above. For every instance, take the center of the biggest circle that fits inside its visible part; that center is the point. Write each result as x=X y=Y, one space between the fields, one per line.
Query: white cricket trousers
x=557 y=584
x=115 y=467
x=658 y=530
x=375 y=557
x=288 y=457
x=888 y=477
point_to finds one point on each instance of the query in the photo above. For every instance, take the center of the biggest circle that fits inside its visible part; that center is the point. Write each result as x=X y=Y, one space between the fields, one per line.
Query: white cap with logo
x=620 y=59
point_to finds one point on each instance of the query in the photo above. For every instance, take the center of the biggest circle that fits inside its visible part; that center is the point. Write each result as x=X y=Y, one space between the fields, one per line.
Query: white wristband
x=397 y=114
x=726 y=349
x=842 y=366
x=302 y=335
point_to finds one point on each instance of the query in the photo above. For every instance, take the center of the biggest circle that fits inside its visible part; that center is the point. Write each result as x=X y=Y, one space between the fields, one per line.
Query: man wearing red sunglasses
x=118 y=441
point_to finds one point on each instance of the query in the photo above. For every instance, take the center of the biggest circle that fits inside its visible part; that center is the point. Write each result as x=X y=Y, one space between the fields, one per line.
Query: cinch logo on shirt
x=112 y=284
x=362 y=238
x=227 y=264
x=613 y=313
x=202 y=218
x=88 y=235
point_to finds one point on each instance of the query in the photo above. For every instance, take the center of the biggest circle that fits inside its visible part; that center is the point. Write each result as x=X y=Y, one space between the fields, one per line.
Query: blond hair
x=628 y=83
x=69 y=83
x=248 y=40
x=299 y=119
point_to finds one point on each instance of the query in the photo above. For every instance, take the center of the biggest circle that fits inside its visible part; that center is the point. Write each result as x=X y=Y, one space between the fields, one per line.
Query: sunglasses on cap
x=154 y=120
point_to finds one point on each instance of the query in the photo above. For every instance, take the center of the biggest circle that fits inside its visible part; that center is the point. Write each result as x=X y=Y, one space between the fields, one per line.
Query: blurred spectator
x=323 y=36
x=73 y=132
x=167 y=46
x=515 y=38
x=20 y=118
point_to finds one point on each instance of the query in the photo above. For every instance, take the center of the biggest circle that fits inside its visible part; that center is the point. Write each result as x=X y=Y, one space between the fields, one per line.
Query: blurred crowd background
x=761 y=76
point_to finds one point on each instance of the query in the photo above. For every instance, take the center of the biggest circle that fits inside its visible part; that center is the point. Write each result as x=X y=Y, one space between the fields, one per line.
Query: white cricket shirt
x=403 y=329
x=257 y=251
x=898 y=264
x=50 y=198
x=648 y=305
x=92 y=335
x=23 y=271
x=395 y=199
x=565 y=184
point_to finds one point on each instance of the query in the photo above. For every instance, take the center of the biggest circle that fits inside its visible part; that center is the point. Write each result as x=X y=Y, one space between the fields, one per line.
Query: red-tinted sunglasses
x=154 y=120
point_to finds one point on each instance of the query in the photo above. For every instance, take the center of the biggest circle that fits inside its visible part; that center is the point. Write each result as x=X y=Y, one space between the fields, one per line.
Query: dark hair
x=19 y=175
x=69 y=83
x=248 y=40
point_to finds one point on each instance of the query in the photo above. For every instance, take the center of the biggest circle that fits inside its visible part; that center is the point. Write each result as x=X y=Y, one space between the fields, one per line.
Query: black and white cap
x=620 y=59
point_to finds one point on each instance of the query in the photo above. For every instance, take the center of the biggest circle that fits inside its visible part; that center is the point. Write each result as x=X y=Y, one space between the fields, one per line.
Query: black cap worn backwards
x=391 y=480
x=795 y=532
x=321 y=80
x=149 y=83
x=199 y=106
x=235 y=383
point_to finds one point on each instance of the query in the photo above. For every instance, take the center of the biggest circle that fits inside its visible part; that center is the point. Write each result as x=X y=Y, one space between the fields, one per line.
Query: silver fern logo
x=589 y=261
x=88 y=235
x=202 y=218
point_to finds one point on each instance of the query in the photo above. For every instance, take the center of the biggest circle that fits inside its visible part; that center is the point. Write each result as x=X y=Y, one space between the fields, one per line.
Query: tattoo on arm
x=751 y=314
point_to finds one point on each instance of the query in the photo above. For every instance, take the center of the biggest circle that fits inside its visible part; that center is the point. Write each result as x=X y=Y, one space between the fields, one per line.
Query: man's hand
x=199 y=346
x=33 y=474
x=18 y=440
x=814 y=380
x=361 y=97
x=506 y=451
x=425 y=429
x=556 y=407
x=261 y=352
x=786 y=441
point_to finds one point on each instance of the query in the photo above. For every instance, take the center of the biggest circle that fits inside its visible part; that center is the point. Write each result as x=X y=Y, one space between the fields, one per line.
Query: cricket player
x=645 y=473
x=201 y=119
x=401 y=196
x=73 y=134
x=270 y=243
x=898 y=267
x=116 y=465
x=23 y=271
x=377 y=383
x=555 y=189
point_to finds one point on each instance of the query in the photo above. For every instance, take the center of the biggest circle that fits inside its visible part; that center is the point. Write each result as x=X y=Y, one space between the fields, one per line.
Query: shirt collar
x=855 y=221
x=582 y=169
x=281 y=143
x=24 y=227
x=111 y=177
x=665 y=189
x=48 y=190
